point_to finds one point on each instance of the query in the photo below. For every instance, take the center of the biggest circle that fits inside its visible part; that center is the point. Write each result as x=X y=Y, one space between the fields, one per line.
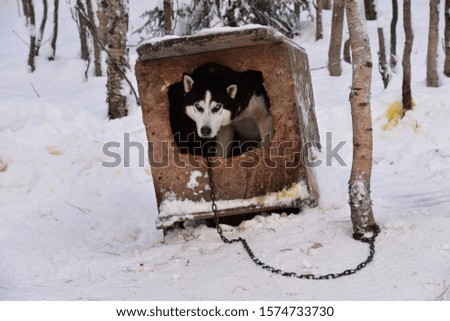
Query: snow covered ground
x=72 y=229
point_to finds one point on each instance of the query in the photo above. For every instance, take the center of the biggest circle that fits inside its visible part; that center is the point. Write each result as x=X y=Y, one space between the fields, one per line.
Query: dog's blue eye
x=216 y=108
x=197 y=106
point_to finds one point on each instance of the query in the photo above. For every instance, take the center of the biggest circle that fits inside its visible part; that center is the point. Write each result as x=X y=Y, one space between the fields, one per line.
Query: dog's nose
x=206 y=131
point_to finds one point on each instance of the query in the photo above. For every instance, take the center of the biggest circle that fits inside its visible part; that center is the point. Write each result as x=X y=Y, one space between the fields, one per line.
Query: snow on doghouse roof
x=211 y=40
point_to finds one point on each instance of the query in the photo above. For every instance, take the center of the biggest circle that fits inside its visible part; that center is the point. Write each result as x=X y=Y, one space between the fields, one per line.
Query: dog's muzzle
x=205 y=132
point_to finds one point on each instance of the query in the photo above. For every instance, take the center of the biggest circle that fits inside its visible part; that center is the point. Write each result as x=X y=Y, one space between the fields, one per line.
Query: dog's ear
x=232 y=91
x=188 y=83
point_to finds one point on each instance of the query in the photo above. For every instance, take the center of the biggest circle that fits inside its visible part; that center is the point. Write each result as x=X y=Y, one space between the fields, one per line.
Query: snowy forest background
x=73 y=229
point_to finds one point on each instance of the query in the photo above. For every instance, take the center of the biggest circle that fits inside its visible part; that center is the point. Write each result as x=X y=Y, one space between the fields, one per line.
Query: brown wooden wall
x=292 y=108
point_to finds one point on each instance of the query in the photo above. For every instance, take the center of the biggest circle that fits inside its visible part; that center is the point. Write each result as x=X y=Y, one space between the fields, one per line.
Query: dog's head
x=208 y=105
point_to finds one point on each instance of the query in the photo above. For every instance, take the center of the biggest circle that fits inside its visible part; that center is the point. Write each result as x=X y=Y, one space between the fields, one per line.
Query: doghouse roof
x=211 y=40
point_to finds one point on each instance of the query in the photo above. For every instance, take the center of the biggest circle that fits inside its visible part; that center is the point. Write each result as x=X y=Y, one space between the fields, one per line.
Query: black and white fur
x=223 y=102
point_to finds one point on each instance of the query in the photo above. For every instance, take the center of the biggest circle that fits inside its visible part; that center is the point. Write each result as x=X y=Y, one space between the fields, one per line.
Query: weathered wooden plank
x=234 y=38
x=304 y=98
x=170 y=220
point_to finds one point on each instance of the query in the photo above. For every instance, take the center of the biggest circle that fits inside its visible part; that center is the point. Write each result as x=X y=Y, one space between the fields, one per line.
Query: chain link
x=369 y=240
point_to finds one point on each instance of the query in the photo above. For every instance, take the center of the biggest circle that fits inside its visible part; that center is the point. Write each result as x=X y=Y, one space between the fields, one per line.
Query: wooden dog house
x=266 y=180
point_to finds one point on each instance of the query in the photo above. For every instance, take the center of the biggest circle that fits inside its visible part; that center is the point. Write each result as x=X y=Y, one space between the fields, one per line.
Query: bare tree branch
x=119 y=67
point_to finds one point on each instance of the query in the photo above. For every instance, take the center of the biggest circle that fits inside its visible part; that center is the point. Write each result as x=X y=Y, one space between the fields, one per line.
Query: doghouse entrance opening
x=231 y=107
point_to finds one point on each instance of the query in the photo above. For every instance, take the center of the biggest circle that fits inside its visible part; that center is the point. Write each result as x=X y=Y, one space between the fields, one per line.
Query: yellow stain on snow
x=3 y=166
x=393 y=114
x=291 y=193
x=53 y=150
x=287 y=194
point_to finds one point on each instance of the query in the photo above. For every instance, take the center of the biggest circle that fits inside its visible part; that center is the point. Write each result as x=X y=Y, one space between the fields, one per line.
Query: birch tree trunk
x=347 y=51
x=359 y=184
x=55 y=30
x=84 y=49
x=102 y=24
x=168 y=17
x=382 y=61
x=41 y=27
x=319 y=27
x=25 y=8
x=28 y=9
x=393 y=56
x=406 y=62
x=117 y=24
x=334 y=52
x=297 y=12
x=371 y=13
x=447 y=38
x=433 y=36
x=95 y=44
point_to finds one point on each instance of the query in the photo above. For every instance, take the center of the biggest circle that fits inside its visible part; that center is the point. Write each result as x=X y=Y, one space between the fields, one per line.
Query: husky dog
x=225 y=103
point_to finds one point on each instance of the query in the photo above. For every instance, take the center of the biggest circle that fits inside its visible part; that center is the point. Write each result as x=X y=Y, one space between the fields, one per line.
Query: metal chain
x=369 y=240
